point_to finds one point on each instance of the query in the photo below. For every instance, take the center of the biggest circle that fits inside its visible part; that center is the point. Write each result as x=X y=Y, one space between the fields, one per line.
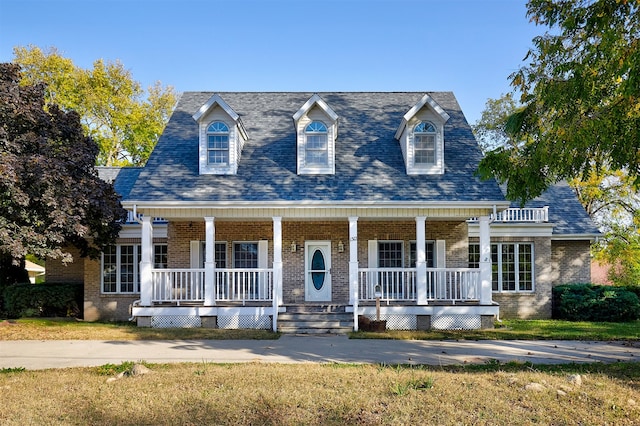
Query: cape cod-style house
x=295 y=211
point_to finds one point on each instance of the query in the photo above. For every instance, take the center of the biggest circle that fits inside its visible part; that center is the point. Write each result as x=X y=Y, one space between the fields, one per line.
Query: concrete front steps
x=315 y=319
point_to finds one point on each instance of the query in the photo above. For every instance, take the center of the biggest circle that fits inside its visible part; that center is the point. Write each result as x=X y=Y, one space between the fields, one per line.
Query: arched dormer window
x=218 y=144
x=316 y=146
x=424 y=143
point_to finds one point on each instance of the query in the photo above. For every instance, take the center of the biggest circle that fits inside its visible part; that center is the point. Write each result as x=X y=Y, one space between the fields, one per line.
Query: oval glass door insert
x=317 y=269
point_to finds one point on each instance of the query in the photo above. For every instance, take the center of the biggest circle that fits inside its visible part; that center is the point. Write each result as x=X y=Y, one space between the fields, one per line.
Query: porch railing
x=528 y=214
x=178 y=285
x=244 y=285
x=235 y=285
x=400 y=284
x=453 y=284
x=395 y=283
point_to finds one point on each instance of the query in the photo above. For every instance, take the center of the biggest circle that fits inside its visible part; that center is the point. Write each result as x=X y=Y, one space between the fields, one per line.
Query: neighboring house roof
x=369 y=162
x=33 y=267
x=123 y=178
x=565 y=211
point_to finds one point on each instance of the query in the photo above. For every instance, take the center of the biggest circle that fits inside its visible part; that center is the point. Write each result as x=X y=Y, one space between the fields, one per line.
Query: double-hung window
x=121 y=267
x=511 y=263
x=218 y=144
x=424 y=144
x=316 y=144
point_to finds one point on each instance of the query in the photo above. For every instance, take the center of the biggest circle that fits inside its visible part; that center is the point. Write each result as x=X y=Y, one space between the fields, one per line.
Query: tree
x=580 y=93
x=123 y=119
x=609 y=197
x=50 y=193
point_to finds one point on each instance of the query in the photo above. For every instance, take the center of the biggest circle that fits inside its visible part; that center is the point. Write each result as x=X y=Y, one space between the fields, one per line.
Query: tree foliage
x=50 y=193
x=580 y=92
x=609 y=197
x=115 y=111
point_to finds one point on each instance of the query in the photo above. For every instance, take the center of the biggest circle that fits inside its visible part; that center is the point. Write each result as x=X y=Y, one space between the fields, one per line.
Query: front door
x=317 y=271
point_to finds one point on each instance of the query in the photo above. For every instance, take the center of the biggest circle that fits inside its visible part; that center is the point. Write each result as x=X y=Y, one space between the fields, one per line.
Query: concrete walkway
x=34 y=355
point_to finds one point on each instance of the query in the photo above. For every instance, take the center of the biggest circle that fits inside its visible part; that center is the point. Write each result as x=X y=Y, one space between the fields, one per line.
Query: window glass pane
x=424 y=149
x=317 y=142
x=316 y=126
x=474 y=255
x=127 y=269
x=221 y=255
x=425 y=127
x=429 y=253
x=525 y=269
x=390 y=254
x=245 y=255
x=218 y=157
x=508 y=267
x=160 y=256
x=218 y=127
x=218 y=142
x=494 y=268
x=109 y=270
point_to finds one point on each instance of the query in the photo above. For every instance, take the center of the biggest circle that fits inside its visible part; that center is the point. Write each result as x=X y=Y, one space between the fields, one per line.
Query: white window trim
x=517 y=245
x=137 y=247
x=437 y=167
x=237 y=136
x=229 y=144
x=301 y=120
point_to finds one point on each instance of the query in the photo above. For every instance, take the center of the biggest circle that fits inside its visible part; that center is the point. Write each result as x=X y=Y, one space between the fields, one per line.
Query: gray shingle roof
x=123 y=178
x=369 y=162
x=565 y=211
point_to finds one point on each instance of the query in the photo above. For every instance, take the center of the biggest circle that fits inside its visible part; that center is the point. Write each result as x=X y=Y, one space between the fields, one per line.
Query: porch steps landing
x=315 y=319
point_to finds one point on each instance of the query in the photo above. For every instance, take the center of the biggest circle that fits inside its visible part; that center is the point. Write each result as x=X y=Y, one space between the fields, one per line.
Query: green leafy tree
x=115 y=111
x=50 y=194
x=580 y=96
x=609 y=197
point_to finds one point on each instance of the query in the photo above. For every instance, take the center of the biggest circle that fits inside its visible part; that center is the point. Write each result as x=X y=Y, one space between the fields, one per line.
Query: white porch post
x=277 y=269
x=146 y=262
x=209 y=261
x=485 y=261
x=421 y=260
x=353 y=269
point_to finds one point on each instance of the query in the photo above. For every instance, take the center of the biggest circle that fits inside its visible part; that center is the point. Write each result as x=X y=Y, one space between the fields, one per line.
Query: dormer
x=316 y=132
x=421 y=137
x=221 y=137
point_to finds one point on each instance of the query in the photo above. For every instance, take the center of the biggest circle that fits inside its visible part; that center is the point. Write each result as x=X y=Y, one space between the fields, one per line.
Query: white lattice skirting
x=244 y=321
x=456 y=322
x=176 y=321
x=397 y=321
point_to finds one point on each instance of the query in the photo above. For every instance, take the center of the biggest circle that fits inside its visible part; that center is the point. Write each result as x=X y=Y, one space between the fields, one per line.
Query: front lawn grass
x=523 y=330
x=325 y=394
x=71 y=329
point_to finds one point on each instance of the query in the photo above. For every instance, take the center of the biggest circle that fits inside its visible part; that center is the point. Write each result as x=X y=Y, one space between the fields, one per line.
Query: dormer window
x=221 y=136
x=218 y=144
x=424 y=144
x=316 y=146
x=316 y=130
x=421 y=137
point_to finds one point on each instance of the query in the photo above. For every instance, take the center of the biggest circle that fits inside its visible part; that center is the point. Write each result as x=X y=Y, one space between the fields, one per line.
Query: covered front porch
x=300 y=266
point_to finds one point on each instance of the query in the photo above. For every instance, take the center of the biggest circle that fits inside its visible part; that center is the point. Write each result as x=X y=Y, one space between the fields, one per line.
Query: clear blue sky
x=467 y=46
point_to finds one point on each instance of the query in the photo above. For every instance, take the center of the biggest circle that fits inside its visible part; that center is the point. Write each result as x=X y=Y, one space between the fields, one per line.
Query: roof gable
x=315 y=100
x=425 y=100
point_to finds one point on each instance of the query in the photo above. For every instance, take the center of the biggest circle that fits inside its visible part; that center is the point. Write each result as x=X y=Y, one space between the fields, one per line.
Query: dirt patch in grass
x=324 y=394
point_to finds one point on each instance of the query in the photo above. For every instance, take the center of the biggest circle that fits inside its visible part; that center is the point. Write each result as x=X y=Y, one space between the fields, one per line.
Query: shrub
x=587 y=302
x=44 y=300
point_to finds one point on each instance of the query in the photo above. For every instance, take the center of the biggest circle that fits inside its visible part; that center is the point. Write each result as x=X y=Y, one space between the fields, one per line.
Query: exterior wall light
x=340 y=246
x=293 y=247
